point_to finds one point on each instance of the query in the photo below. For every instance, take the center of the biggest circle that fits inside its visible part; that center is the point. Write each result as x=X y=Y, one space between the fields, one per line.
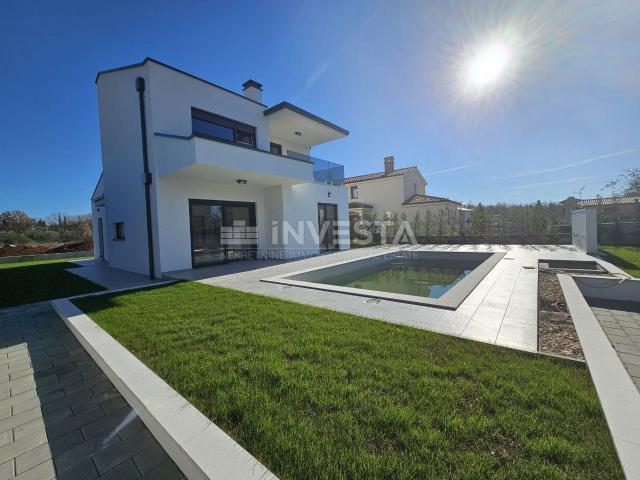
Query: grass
x=627 y=258
x=314 y=393
x=39 y=280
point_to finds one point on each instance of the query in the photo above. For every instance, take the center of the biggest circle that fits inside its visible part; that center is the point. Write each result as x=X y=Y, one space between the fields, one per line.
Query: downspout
x=147 y=174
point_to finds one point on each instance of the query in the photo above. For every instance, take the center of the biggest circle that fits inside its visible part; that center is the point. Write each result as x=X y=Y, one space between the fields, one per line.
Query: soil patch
x=556 y=332
x=18 y=250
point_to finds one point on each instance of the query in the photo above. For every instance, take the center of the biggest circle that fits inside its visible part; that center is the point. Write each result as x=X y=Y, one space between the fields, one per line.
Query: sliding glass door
x=222 y=231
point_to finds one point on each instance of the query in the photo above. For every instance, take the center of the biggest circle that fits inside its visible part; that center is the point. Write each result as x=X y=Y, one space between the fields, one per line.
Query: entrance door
x=327 y=226
x=100 y=239
x=221 y=231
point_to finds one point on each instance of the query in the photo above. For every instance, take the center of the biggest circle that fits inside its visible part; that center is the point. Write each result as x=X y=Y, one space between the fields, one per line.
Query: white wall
x=121 y=147
x=584 y=229
x=300 y=204
x=173 y=94
x=385 y=194
x=411 y=178
x=173 y=219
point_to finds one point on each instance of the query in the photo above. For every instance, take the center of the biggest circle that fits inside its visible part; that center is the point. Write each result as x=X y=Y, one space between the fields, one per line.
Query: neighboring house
x=609 y=209
x=195 y=174
x=402 y=191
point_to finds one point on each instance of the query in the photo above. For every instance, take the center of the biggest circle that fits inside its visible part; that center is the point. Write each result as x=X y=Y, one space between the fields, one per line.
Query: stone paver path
x=60 y=417
x=621 y=323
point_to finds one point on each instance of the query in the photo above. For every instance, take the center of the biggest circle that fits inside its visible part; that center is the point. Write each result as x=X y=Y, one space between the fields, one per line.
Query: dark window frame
x=335 y=241
x=354 y=188
x=237 y=127
x=223 y=203
x=119 y=231
x=275 y=148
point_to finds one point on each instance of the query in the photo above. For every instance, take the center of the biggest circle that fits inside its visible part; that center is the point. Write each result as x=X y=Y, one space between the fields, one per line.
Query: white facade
x=187 y=166
x=402 y=191
x=584 y=229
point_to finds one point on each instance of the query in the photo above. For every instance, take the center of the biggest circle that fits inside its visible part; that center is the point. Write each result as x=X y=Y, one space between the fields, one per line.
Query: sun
x=487 y=66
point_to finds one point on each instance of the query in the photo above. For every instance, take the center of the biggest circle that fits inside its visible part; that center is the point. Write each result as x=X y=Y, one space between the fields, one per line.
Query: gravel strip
x=556 y=332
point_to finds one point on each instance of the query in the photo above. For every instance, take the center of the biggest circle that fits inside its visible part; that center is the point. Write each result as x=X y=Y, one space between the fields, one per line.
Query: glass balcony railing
x=324 y=171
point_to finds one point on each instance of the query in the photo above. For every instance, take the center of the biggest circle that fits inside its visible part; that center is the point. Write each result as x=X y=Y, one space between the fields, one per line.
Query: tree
x=428 y=221
x=538 y=220
x=16 y=220
x=625 y=184
x=441 y=222
x=479 y=220
x=416 y=223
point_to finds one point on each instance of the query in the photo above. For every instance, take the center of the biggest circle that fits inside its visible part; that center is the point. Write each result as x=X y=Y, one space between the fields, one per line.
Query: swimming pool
x=435 y=278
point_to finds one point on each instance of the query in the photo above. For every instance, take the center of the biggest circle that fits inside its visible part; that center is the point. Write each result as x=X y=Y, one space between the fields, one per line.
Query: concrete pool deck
x=501 y=310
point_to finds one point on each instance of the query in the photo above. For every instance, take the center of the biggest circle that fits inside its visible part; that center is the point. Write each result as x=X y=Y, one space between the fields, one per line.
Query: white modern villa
x=195 y=174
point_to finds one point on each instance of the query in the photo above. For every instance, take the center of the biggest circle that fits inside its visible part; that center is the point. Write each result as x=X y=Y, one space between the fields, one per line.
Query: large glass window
x=212 y=129
x=222 y=231
x=220 y=128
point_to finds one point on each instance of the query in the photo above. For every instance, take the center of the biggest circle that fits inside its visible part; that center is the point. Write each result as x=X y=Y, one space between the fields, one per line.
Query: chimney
x=252 y=90
x=388 y=165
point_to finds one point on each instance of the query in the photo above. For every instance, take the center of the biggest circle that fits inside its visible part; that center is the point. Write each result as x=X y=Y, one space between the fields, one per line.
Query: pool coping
x=198 y=447
x=619 y=397
x=450 y=300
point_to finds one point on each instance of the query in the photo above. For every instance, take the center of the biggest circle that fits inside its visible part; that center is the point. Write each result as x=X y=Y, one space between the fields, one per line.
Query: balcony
x=324 y=171
x=205 y=159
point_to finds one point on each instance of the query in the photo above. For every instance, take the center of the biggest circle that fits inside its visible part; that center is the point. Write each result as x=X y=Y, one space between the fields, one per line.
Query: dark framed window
x=222 y=231
x=118 y=231
x=354 y=192
x=221 y=128
x=276 y=148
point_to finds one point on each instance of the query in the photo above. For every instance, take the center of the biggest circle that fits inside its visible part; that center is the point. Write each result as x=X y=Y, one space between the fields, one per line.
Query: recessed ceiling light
x=241 y=181
x=299 y=134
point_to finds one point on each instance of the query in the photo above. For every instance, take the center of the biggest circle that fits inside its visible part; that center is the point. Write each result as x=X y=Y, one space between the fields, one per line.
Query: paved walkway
x=97 y=271
x=60 y=417
x=621 y=322
x=501 y=310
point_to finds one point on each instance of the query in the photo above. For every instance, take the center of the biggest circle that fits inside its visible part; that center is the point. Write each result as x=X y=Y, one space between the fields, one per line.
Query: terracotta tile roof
x=606 y=201
x=420 y=199
x=359 y=205
x=377 y=175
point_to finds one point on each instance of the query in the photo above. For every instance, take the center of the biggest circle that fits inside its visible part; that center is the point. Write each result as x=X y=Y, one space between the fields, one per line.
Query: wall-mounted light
x=241 y=181
x=329 y=194
x=298 y=134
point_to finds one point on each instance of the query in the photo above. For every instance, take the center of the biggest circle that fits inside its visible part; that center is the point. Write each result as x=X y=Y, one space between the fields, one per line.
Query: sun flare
x=487 y=66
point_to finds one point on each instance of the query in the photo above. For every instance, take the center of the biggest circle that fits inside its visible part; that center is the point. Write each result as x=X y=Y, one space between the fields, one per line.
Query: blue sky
x=566 y=116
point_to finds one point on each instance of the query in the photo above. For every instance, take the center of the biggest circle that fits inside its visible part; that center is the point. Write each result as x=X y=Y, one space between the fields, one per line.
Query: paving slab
x=620 y=320
x=97 y=271
x=60 y=417
x=619 y=396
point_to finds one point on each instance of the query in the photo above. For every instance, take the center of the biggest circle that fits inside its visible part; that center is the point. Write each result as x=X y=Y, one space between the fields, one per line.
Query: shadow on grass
x=619 y=261
x=24 y=283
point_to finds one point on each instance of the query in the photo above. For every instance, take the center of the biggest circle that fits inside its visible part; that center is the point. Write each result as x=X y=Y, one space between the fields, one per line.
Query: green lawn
x=627 y=258
x=38 y=280
x=319 y=394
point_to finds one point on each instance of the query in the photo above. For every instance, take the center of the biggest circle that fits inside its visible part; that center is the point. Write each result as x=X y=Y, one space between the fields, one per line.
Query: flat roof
x=149 y=59
x=300 y=111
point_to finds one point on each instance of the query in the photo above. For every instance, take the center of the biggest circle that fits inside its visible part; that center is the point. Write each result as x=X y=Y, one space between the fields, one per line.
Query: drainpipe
x=147 y=174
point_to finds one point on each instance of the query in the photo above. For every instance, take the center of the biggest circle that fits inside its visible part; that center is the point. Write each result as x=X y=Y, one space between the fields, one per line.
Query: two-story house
x=195 y=174
x=403 y=191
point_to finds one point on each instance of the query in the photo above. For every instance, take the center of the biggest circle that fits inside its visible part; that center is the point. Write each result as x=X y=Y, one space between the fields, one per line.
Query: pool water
x=418 y=278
